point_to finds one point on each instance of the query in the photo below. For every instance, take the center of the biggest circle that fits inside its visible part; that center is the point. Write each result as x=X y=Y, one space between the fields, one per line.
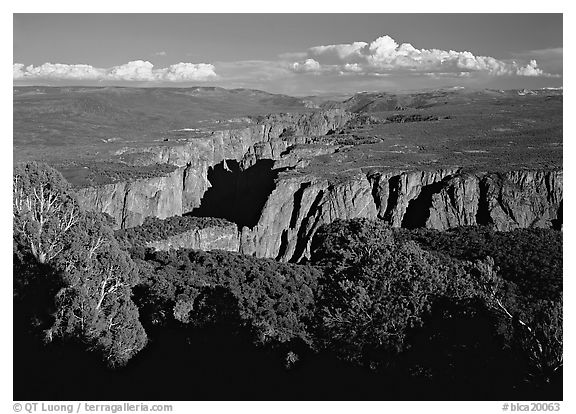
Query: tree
x=43 y=210
x=377 y=286
x=90 y=278
x=537 y=329
x=275 y=301
x=95 y=304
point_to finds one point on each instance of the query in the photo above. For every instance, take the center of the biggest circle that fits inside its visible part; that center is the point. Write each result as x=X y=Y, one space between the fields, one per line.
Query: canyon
x=279 y=177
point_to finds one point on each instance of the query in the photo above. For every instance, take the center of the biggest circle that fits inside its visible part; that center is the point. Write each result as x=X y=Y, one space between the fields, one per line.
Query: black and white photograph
x=287 y=207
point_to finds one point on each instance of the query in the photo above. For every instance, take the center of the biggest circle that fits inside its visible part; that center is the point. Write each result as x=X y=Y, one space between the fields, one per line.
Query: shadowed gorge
x=418 y=210
x=235 y=194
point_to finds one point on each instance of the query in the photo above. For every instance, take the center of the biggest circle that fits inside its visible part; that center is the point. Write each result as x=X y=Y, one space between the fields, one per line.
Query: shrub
x=376 y=287
x=154 y=229
x=274 y=300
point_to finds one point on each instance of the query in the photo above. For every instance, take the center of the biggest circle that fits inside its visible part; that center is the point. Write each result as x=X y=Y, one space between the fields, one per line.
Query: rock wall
x=209 y=238
x=130 y=202
x=522 y=198
x=298 y=207
x=301 y=202
x=439 y=199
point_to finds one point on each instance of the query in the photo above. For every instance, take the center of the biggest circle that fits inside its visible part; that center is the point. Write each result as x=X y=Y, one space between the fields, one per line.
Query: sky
x=295 y=54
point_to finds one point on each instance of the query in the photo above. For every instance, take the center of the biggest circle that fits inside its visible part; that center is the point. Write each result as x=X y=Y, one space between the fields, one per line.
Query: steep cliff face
x=522 y=198
x=315 y=123
x=298 y=206
x=439 y=199
x=448 y=198
x=129 y=203
x=209 y=238
x=294 y=204
x=456 y=203
x=399 y=195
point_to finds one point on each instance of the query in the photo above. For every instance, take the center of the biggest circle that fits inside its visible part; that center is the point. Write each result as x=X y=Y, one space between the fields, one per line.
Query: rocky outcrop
x=439 y=199
x=456 y=203
x=208 y=238
x=518 y=199
x=129 y=203
x=395 y=192
x=298 y=206
x=315 y=123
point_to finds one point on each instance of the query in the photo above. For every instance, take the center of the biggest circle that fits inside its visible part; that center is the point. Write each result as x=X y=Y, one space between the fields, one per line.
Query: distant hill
x=369 y=102
x=47 y=119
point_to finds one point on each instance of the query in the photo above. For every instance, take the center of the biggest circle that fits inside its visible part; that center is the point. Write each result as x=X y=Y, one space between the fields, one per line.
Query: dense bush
x=275 y=300
x=376 y=287
x=100 y=172
x=411 y=118
x=154 y=229
x=379 y=285
x=529 y=294
x=530 y=258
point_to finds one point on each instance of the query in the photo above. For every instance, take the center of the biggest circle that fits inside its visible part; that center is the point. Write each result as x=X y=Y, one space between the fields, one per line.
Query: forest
x=378 y=313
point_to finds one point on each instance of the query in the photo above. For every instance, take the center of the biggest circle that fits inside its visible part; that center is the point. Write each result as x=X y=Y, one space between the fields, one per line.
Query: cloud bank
x=382 y=63
x=385 y=56
x=135 y=71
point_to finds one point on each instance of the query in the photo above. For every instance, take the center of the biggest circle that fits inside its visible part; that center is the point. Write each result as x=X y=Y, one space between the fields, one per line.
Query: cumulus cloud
x=135 y=71
x=343 y=52
x=549 y=60
x=56 y=71
x=531 y=69
x=385 y=55
x=181 y=72
x=309 y=65
x=17 y=71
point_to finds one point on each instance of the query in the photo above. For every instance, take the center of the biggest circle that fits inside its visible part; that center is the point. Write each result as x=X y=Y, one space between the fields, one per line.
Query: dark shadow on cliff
x=237 y=195
x=558 y=222
x=418 y=210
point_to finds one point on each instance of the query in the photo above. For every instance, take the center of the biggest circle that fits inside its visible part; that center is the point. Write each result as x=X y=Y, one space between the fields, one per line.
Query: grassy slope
x=48 y=121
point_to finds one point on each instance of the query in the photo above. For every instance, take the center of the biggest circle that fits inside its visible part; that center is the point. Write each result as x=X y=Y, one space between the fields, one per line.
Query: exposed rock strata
x=129 y=203
x=523 y=198
x=436 y=199
x=301 y=202
x=298 y=206
x=208 y=238
x=246 y=145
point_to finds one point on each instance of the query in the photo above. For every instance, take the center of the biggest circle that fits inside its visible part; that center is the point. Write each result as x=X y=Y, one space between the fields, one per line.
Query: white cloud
x=135 y=71
x=17 y=71
x=531 y=69
x=352 y=67
x=309 y=65
x=181 y=72
x=385 y=55
x=342 y=52
x=57 y=71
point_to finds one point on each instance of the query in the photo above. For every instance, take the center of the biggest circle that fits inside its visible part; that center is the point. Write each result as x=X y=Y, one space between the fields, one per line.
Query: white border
x=301 y=6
